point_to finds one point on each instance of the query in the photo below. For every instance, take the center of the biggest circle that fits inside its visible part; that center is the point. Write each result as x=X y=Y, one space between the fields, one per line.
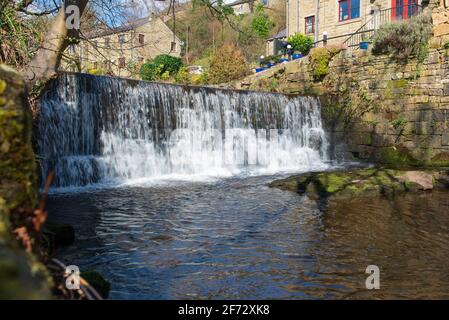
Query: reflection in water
x=236 y=238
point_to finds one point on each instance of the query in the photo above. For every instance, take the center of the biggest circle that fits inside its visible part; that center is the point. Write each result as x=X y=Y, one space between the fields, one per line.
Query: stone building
x=340 y=18
x=121 y=51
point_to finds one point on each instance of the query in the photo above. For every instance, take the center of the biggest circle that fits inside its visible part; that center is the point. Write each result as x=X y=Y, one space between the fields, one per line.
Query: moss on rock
x=22 y=276
x=358 y=182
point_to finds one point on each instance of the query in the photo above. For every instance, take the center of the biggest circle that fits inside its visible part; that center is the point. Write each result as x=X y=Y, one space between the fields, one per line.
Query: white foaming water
x=107 y=130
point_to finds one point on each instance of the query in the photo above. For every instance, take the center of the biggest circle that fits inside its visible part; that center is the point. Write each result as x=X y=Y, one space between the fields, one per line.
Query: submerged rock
x=361 y=182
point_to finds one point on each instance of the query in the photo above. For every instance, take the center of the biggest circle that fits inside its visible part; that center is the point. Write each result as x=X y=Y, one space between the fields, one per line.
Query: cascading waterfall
x=101 y=129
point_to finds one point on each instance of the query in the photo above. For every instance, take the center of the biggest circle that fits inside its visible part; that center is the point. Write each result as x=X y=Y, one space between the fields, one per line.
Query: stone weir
x=94 y=129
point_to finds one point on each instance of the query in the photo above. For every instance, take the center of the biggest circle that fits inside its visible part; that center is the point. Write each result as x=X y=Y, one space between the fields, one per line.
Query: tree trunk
x=46 y=62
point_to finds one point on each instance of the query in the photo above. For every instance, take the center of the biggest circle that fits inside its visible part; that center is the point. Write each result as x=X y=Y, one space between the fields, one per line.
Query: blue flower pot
x=364 y=45
x=283 y=60
x=259 y=70
x=296 y=56
x=271 y=64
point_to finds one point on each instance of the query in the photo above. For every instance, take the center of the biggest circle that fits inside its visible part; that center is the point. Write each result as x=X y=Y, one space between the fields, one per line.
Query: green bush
x=301 y=43
x=404 y=39
x=319 y=61
x=267 y=59
x=227 y=64
x=150 y=71
x=168 y=63
x=182 y=76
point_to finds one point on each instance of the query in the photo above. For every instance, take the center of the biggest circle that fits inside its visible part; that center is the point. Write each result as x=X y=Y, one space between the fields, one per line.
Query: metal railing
x=367 y=31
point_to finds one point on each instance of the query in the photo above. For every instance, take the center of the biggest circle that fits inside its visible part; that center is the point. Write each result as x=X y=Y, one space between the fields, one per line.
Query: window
x=72 y=49
x=310 y=24
x=173 y=46
x=348 y=9
x=107 y=42
x=121 y=38
x=141 y=39
x=404 y=9
x=121 y=62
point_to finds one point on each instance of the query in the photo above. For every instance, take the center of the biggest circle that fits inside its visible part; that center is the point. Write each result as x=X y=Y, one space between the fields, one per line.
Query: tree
x=261 y=22
x=43 y=62
x=227 y=64
x=46 y=62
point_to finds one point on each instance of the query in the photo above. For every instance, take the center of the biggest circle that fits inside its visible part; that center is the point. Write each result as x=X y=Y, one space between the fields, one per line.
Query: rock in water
x=418 y=180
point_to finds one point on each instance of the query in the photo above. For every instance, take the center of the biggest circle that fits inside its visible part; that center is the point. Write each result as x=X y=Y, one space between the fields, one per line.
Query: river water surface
x=235 y=238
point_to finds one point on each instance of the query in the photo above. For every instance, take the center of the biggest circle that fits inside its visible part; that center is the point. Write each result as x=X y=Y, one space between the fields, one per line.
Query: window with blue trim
x=348 y=9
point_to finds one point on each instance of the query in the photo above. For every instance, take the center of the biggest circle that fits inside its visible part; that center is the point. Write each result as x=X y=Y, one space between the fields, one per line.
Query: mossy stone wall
x=21 y=275
x=375 y=107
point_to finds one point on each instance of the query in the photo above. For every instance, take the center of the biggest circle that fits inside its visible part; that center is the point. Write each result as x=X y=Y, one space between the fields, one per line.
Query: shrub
x=267 y=59
x=319 y=61
x=228 y=63
x=150 y=71
x=261 y=23
x=404 y=39
x=198 y=79
x=168 y=63
x=96 y=72
x=301 y=43
x=182 y=76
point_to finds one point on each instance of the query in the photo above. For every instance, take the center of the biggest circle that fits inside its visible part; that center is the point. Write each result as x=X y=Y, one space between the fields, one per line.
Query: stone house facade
x=340 y=18
x=121 y=51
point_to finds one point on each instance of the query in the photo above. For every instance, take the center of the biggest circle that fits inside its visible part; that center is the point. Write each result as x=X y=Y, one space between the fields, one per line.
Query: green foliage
x=208 y=30
x=268 y=59
x=227 y=64
x=301 y=43
x=97 y=72
x=404 y=39
x=168 y=63
x=319 y=62
x=161 y=68
x=446 y=45
x=150 y=71
x=261 y=23
x=20 y=35
x=182 y=76
x=399 y=123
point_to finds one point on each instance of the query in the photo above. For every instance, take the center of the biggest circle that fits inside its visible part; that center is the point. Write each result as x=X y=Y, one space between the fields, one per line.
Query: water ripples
x=236 y=238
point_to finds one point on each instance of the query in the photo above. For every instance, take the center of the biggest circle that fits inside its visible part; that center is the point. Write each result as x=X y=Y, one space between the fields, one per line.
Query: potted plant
x=300 y=45
x=364 y=43
x=296 y=55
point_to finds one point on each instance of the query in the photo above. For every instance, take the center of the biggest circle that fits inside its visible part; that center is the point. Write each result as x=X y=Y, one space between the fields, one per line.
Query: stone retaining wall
x=376 y=108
